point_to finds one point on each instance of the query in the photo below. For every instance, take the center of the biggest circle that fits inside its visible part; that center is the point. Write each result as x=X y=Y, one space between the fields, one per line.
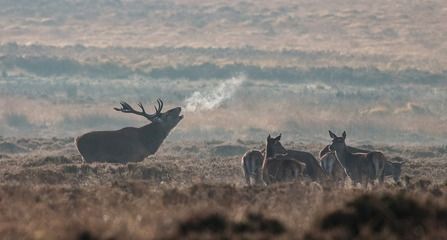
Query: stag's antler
x=126 y=108
x=160 y=106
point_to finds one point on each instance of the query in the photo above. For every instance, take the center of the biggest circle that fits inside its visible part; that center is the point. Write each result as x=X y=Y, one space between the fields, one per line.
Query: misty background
x=240 y=70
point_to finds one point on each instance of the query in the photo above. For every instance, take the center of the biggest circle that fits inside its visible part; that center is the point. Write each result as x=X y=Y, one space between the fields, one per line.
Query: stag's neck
x=152 y=136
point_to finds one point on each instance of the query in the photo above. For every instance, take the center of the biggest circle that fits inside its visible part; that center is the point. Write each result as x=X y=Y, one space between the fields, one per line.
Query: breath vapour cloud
x=213 y=98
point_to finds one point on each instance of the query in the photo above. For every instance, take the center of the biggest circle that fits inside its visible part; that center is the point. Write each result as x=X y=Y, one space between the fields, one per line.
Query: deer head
x=274 y=146
x=169 y=118
x=338 y=143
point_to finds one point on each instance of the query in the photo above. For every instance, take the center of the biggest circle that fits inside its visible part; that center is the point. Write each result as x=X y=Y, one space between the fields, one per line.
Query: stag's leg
x=246 y=171
x=381 y=178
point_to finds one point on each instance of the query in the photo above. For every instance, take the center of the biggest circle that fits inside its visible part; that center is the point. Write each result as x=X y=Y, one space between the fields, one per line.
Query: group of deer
x=274 y=164
x=337 y=161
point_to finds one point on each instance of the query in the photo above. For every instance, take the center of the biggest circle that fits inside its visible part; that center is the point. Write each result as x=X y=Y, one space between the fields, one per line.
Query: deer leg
x=354 y=182
x=356 y=178
x=247 y=180
x=381 y=178
x=246 y=172
x=296 y=172
x=258 y=177
x=364 y=182
x=265 y=174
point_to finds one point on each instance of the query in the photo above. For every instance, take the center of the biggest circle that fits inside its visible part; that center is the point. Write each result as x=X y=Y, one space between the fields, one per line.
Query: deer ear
x=157 y=119
x=269 y=137
x=278 y=137
x=332 y=135
x=344 y=134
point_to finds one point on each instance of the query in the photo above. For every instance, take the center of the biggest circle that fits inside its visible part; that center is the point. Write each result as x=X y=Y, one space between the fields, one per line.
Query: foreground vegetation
x=196 y=189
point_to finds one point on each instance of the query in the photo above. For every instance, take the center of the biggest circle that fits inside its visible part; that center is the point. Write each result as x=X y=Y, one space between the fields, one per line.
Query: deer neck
x=342 y=156
x=152 y=136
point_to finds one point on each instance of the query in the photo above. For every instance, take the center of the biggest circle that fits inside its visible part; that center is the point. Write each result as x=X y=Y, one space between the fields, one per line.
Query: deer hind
x=252 y=167
x=129 y=144
x=393 y=168
x=361 y=167
x=333 y=168
x=277 y=165
x=312 y=166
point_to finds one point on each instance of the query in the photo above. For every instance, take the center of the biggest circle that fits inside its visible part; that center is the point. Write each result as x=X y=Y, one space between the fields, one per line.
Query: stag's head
x=169 y=118
x=274 y=146
x=338 y=143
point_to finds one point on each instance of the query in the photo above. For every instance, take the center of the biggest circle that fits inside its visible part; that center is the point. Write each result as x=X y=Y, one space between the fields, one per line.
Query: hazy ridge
x=376 y=68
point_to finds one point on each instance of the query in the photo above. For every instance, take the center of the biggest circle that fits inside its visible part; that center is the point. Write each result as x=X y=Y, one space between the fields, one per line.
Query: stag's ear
x=332 y=135
x=269 y=137
x=344 y=134
x=157 y=120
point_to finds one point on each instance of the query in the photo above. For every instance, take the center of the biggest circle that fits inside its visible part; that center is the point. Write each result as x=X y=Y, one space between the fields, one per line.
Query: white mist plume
x=212 y=98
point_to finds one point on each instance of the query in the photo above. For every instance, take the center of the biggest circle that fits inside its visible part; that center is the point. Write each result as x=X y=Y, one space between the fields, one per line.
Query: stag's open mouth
x=180 y=116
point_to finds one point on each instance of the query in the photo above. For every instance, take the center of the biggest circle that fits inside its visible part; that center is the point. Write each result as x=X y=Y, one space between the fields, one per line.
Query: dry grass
x=187 y=190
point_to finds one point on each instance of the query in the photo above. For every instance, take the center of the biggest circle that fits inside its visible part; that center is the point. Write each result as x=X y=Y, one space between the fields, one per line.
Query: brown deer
x=332 y=166
x=252 y=163
x=361 y=167
x=393 y=168
x=326 y=150
x=279 y=167
x=252 y=167
x=129 y=144
x=313 y=168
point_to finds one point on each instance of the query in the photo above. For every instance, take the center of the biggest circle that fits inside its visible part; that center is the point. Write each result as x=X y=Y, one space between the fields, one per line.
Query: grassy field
x=196 y=189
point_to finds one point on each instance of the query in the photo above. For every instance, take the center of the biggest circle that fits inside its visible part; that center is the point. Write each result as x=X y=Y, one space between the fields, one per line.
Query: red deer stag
x=129 y=144
x=361 y=167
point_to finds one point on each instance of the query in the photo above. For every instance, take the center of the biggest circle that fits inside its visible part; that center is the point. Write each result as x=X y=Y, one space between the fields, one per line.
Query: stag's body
x=129 y=144
x=252 y=166
x=279 y=167
x=125 y=145
x=362 y=168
